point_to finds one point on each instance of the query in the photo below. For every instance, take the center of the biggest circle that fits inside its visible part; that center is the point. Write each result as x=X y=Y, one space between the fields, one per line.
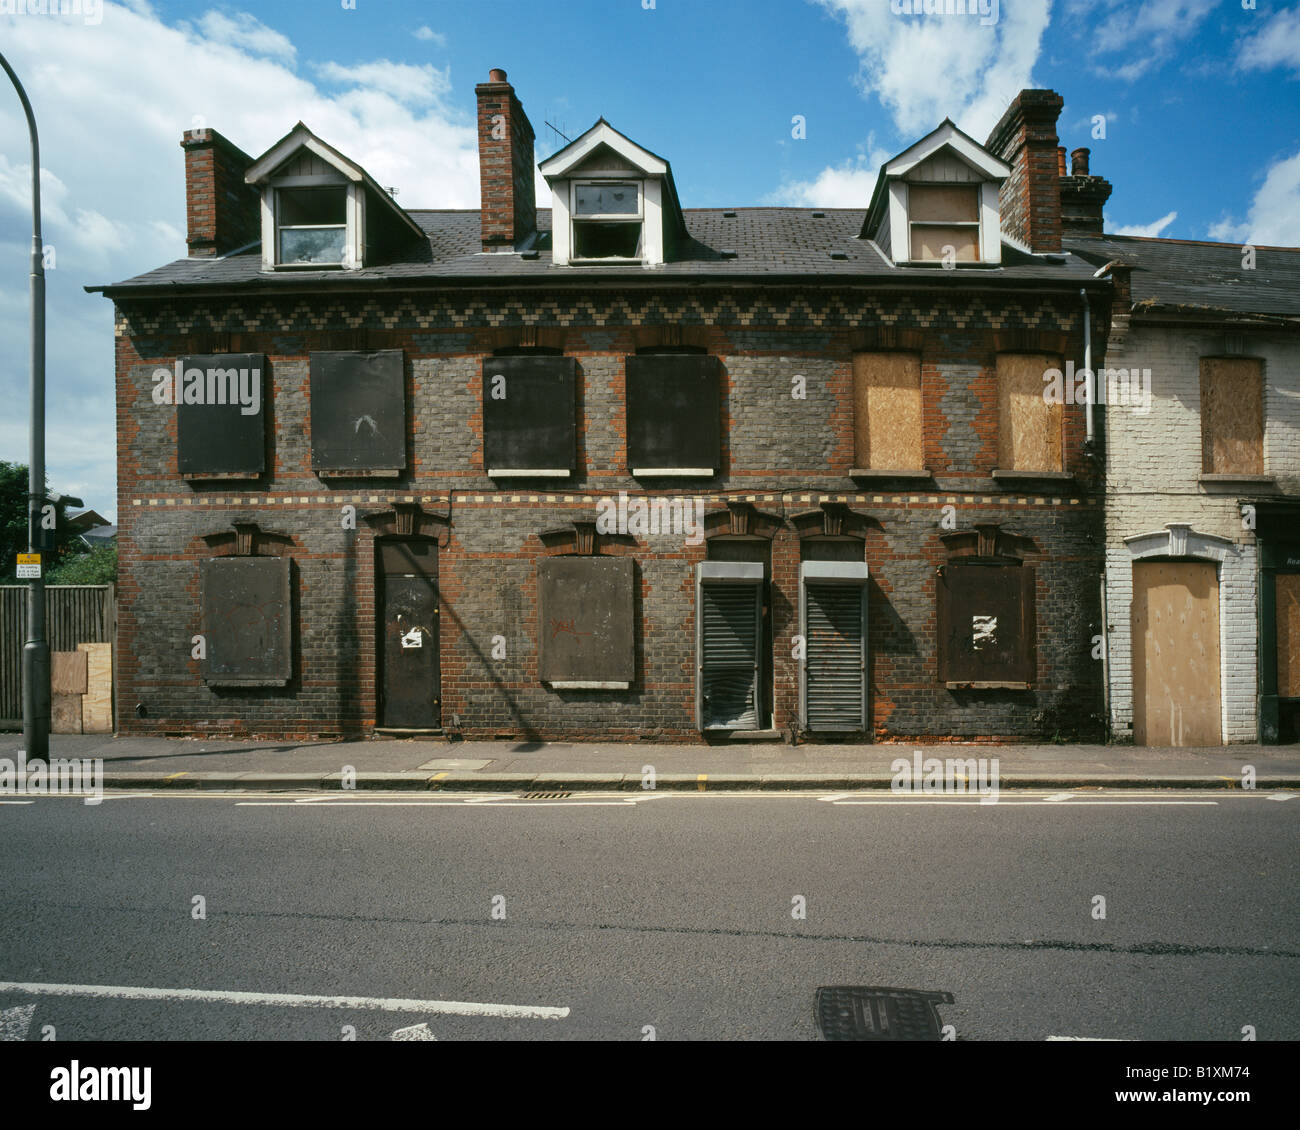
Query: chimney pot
x=1060 y=160
x=1080 y=159
x=496 y=74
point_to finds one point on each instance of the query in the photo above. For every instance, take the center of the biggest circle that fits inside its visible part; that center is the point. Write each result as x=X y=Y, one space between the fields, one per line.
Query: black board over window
x=674 y=414
x=358 y=411
x=247 y=612
x=530 y=415
x=585 y=630
x=986 y=624
x=221 y=414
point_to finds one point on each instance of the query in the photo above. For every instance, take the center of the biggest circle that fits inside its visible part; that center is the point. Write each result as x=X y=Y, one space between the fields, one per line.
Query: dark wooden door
x=412 y=698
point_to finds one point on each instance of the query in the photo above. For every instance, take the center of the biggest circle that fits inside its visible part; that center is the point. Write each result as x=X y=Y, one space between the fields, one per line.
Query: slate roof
x=770 y=243
x=1179 y=276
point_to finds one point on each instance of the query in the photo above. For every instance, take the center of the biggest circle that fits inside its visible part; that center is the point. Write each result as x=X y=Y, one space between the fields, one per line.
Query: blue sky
x=1200 y=100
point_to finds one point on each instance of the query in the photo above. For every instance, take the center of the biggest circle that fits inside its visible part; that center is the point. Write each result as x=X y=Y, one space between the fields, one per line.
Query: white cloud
x=113 y=181
x=247 y=33
x=1276 y=44
x=926 y=68
x=428 y=35
x=415 y=85
x=1148 y=32
x=1274 y=218
x=847 y=185
x=1151 y=230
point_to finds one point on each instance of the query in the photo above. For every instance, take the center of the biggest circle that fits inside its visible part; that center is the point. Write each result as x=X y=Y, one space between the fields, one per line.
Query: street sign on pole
x=29 y=566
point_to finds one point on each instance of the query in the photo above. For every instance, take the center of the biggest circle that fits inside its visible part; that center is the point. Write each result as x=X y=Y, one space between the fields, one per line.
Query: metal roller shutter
x=729 y=663
x=835 y=657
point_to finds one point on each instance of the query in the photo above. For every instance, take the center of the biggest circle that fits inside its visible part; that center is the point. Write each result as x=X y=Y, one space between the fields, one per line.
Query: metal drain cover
x=849 y=1013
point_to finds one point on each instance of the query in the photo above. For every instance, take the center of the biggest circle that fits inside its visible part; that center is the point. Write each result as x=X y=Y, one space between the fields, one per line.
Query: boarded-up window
x=944 y=216
x=529 y=414
x=986 y=624
x=358 y=411
x=246 y=610
x=674 y=413
x=887 y=411
x=585 y=626
x=1029 y=428
x=1288 y=635
x=221 y=414
x=1232 y=416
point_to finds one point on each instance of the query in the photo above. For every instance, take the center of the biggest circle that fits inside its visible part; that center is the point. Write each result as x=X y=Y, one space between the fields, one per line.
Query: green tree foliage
x=13 y=524
x=98 y=567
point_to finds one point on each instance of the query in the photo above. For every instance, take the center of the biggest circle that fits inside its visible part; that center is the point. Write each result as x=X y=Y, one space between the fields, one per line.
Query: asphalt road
x=663 y=911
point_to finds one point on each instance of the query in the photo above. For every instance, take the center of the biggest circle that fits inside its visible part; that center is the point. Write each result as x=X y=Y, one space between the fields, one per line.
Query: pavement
x=510 y=766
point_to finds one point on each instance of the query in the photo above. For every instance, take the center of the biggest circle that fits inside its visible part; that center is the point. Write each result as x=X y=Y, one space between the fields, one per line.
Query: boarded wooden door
x=1176 y=654
x=409 y=631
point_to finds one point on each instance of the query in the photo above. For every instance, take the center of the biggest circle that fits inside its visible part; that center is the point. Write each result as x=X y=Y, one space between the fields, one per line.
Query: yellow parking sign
x=29 y=566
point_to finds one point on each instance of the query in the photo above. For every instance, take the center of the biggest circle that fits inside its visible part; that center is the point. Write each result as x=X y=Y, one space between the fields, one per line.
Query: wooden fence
x=74 y=614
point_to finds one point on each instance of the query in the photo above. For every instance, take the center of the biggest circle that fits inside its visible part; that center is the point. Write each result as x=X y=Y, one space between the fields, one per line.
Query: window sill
x=885 y=473
x=527 y=473
x=220 y=476
x=353 y=473
x=1032 y=476
x=986 y=686
x=673 y=472
x=588 y=685
x=1228 y=483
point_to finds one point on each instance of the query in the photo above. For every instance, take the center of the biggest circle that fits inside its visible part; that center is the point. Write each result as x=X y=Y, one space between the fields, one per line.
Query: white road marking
x=288 y=1000
x=1280 y=796
x=1031 y=803
x=414 y=1032
x=17 y=802
x=14 y=1022
x=1085 y=1040
x=1059 y=796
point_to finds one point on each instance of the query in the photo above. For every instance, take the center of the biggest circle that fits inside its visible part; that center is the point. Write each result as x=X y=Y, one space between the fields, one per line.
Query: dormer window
x=322 y=211
x=944 y=222
x=608 y=220
x=311 y=225
x=612 y=203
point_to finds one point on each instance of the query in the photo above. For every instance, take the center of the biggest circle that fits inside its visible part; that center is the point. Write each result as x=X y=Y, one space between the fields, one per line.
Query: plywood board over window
x=887 y=411
x=1288 y=635
x=1232 y=416
x=1030 y=430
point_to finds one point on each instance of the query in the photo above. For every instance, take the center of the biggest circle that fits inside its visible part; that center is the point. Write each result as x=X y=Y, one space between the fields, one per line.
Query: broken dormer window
x=608 y=220
x=945 y=222
x=311 y=225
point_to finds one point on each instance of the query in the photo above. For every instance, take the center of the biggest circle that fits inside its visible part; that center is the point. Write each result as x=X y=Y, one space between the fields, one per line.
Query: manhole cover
x=845 y=1013
x=545 y=796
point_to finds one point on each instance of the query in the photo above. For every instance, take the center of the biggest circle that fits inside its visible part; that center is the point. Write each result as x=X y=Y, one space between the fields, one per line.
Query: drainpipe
x=1087 y=364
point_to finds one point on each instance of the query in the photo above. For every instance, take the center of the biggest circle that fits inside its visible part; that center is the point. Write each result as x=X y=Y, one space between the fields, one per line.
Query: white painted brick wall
x=1153 y=467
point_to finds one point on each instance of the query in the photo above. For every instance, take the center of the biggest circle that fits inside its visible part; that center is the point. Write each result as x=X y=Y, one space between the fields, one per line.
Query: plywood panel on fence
x=1176 y=654
x=65 y=713
x=68 y=673
x=1288 y=635
x=97 y=703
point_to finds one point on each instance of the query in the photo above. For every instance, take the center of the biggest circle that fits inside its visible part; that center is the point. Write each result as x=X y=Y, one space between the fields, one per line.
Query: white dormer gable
x=937 y=201
x=319 y=209
x=611 y=201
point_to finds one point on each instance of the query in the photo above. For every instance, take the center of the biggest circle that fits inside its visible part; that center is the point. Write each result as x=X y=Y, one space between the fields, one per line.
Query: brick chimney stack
x=505 y=158
x=222 y=212
x=1026 y=140
x=1083 y=198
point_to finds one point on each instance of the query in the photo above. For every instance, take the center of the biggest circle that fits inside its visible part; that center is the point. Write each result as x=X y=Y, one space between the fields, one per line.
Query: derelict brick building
x=391 y=470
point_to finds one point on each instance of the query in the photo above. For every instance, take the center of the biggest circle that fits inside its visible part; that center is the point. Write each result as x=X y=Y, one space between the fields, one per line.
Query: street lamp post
x=36 y=650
